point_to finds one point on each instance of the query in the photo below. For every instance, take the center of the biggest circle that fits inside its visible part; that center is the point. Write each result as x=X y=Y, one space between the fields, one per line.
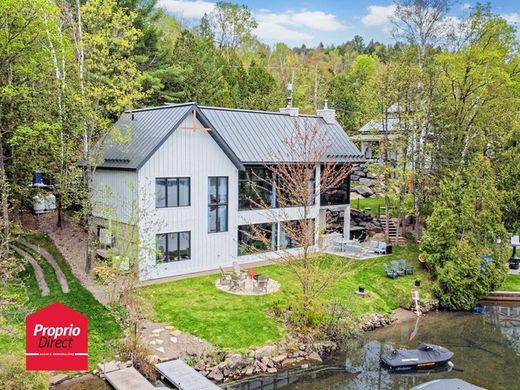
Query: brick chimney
x=328 y=115
x=289 y=110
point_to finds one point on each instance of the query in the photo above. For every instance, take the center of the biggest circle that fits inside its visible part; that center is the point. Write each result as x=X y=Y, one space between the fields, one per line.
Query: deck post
x=346 y=222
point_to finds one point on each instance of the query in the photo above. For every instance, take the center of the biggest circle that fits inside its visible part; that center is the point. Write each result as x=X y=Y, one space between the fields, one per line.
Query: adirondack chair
x=238 y=272
x=225 y=277
x=390 y=273
x=261 y=283
x=408 y=270
x=395 y=268
x=237 y=283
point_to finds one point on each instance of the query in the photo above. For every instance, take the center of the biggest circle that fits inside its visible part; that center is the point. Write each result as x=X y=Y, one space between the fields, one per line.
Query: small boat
x=426 y=356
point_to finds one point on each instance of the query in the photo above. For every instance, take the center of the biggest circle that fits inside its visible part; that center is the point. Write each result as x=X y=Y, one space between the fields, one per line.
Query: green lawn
x=234 y=322
x=102 y=327
x=377 y=202
x=512 y=283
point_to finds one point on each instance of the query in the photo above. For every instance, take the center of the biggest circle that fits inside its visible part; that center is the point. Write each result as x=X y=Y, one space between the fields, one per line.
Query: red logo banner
x=56 y=338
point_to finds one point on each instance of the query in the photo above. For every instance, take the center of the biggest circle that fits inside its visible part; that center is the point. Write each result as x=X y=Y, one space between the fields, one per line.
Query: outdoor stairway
x=392 y=231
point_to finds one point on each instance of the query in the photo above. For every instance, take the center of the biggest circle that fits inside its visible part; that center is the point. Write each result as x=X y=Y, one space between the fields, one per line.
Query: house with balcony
x=190 y=168
x=373 y=135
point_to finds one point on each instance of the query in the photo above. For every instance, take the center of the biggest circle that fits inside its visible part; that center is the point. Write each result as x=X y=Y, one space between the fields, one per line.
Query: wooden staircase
x=392 y=231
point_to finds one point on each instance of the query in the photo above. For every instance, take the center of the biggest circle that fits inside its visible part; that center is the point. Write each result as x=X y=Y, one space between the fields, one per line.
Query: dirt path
x=50 y=259
x=70 y=241
x=38 y=272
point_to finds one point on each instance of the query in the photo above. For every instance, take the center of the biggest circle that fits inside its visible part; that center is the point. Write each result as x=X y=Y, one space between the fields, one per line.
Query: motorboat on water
x=426 y=356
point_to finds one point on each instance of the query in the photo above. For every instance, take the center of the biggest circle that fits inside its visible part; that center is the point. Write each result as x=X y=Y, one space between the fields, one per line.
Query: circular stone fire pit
x=249 y=288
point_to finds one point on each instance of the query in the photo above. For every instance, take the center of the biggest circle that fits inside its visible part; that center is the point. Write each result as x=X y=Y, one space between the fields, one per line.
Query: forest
x=69 y=68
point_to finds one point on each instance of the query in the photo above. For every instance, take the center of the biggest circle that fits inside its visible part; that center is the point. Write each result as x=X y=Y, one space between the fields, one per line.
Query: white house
x=187 y=165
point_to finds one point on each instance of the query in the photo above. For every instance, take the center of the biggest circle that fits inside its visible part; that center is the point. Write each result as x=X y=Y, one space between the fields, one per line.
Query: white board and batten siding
x=196 y=155
x=114 y=194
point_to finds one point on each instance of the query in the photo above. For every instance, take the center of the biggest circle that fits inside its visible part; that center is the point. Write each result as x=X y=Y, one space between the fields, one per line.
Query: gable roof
x=246 y=136
x=379 y=126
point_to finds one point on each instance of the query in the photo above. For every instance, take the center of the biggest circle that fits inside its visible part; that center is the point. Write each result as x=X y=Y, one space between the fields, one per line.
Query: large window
x=257 y=238
x=254 y=189
x=172 y=192
x=173 y=247
x=217 y=204
x=296 y=233
x=337 y=196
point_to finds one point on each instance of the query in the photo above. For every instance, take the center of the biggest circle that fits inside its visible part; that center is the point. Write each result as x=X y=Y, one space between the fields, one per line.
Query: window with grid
x=217 y=204
x=172 y=192
x=173 y=247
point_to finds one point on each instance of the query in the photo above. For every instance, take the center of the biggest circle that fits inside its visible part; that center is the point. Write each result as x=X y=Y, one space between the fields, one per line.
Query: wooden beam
x=194 y=127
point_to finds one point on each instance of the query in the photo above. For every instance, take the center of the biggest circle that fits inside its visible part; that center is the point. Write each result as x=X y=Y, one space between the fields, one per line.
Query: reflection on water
x=486 y=347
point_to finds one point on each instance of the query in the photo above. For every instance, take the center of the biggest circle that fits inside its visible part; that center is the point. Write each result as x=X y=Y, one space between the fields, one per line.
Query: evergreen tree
x=465 y=225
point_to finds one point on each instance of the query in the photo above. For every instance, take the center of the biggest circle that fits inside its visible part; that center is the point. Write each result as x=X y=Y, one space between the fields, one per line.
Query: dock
x=511 y=296
x=184 y=377
x=128 y=378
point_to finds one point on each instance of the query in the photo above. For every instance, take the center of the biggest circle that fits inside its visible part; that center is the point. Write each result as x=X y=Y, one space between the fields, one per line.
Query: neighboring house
x=372 y=136
x=187 y=165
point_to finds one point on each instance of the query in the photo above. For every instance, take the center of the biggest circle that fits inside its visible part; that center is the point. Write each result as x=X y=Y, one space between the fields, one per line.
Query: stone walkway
x=38 y=272
x=50 y=259
x=168 y=343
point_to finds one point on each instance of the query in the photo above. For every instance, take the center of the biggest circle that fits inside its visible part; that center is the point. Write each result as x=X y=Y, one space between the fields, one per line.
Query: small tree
x=466 y=224
x=125 y=223
x=302 y=172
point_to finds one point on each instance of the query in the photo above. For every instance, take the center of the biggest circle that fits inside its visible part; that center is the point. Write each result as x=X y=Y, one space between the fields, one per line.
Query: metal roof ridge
x=164 y=106
x=256 y=111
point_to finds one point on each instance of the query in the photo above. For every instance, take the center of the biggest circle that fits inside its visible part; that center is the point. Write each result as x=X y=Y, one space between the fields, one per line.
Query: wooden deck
x=512 y=296
x=128 y=379
x=184 y=377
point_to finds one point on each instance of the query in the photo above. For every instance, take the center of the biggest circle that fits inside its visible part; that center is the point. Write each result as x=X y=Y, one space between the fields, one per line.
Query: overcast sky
x=311 y=22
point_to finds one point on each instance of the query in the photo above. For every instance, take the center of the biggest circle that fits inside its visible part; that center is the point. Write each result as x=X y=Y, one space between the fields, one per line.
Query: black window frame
x=177 y=179
x=244 y=231
x=218 y=204
x=177 y=257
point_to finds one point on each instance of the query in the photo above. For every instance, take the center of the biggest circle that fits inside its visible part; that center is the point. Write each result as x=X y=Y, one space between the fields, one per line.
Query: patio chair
x=225 y=277
x=390 y=273
x=408 y=270
x=261 y=283
x=237 y=283
x=395 y=268
x=238 y=272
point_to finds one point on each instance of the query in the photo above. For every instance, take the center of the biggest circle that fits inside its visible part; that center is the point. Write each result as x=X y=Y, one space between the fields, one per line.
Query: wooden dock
x=184 y=377
x=511 y=296
x=128 y=379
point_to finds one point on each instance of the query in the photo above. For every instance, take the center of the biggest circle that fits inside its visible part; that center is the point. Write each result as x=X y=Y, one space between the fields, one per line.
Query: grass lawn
x=234 y=322
x=512 y=283
x=102 y=327
x=374 y=203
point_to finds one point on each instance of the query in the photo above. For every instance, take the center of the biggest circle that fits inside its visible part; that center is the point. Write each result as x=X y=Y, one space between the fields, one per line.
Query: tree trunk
x=4 y=188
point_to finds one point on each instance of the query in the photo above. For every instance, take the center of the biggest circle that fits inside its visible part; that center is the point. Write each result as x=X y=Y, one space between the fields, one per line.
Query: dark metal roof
x=246 y=136
x=259 y=136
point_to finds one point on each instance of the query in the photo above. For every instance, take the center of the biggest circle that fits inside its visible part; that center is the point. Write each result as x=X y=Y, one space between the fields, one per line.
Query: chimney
x=290 y=110
x=328 y=115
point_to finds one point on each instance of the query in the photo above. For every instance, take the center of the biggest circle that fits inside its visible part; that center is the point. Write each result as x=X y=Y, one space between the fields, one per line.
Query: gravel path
x=50 y=259
x=38 y=272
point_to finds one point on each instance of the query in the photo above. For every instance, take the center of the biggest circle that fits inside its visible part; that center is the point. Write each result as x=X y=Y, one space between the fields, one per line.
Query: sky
x=331 y=22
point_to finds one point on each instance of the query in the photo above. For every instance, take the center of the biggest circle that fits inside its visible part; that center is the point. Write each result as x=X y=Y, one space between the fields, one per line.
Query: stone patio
x=249 y=288
x=168 y=343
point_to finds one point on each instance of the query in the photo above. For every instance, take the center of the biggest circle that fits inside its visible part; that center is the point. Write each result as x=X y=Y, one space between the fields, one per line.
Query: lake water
x=486 y=348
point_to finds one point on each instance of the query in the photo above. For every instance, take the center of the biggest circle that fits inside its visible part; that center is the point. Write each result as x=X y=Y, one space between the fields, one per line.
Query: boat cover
x=424 y=354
